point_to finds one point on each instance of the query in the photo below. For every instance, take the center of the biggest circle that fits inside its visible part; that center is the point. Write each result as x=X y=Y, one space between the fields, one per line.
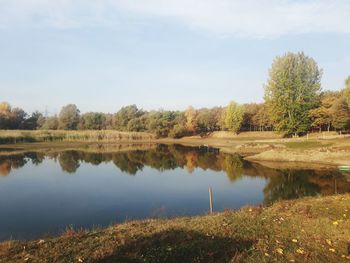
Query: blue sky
x=105 y=54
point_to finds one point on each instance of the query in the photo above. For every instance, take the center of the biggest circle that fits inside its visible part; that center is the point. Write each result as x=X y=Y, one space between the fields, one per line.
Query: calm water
x=41 y=193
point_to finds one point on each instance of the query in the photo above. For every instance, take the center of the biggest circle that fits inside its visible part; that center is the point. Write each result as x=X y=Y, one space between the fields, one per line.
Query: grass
x=303 y=145
x=305 y=230
x=21 y=136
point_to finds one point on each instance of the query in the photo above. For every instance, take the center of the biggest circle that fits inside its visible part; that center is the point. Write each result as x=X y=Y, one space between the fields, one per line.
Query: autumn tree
x=5 y=115
x=50 y=123
x=191 y=124
x=208 y=120
x=262 y=119
x=292 y=90
x=233 y=116
x=346 y=91
x=69 y=117
x=249 y=120
x=322 y=116
x=340 y=114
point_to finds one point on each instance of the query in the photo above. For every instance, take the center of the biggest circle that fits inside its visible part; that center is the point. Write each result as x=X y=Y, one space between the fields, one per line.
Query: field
x=304 y=230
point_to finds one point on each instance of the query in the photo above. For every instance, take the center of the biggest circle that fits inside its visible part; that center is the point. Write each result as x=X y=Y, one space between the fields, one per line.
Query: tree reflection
x=16 y=161
x=280 y=184
x=69 y=161
x=290 y=184
x=125 y=162
x=5 y=168
x=233 y=166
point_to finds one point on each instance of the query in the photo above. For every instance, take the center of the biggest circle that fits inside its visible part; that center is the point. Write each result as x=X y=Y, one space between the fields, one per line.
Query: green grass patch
x=306 y=144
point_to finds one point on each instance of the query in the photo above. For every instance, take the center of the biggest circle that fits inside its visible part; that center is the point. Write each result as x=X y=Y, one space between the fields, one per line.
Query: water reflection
x=103 y=184
x=281 y=183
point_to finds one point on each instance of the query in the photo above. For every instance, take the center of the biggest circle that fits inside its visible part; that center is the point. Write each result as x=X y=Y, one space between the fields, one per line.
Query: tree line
x=294 y=104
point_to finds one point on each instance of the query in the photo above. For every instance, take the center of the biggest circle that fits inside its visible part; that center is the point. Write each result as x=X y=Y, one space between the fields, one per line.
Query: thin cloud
x=245 y=18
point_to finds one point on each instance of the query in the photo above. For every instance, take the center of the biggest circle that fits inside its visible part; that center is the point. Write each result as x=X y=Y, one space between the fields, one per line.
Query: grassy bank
x=21 y=136
x=306 y=230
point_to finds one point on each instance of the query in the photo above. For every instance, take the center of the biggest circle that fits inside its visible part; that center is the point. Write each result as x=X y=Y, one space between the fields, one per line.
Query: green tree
x=292 y=90
x=233 y=116
x=92 y=121
x=124 y=115
x=69 y=117
x=18 y=117
x=34 y=121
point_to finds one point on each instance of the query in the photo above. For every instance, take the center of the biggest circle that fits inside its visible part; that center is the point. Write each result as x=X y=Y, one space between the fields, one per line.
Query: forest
x=294 y=104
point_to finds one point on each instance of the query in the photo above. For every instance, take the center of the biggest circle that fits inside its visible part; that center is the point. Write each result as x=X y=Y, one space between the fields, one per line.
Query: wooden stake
x=210 y=201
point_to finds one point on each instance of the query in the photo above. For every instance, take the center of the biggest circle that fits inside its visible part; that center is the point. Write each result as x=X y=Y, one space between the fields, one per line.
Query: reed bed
x=21 y=136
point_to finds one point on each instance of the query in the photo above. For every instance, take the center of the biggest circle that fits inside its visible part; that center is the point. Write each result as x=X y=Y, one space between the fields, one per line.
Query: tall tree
x=292 y=90
x=92 y=121
x=233 y=116
x=346 y=90
x=191 y=124
x=341 y=114
x=323 y=115
x=18 y=117
x=5 y=115
x=69 y=117
x=124 y=115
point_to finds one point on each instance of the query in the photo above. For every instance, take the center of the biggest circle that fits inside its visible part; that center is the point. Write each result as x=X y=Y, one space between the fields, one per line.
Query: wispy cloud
x=243 y=18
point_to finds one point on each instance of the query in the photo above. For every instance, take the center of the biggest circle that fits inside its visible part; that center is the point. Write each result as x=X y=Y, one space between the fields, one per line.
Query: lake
x=42 y=192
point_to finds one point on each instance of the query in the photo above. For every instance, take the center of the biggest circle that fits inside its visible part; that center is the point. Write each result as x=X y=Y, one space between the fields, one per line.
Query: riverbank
x=304 y=230
x=268 y=147
x=329 y=150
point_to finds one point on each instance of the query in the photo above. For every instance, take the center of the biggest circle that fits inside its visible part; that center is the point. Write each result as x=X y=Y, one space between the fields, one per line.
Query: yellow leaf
x=279 y=251
x=332 y=249
x=295 y=240
x=335 y=223
x=300 y=251
x=328 y=242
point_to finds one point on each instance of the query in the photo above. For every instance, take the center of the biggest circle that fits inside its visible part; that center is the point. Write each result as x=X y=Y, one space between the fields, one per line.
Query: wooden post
x=210 y=201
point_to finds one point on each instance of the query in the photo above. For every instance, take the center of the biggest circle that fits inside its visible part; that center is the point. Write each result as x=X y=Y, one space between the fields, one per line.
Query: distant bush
x=178 y=131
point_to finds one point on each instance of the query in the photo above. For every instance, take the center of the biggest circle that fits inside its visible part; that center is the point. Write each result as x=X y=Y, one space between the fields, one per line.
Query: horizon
x=109 y=54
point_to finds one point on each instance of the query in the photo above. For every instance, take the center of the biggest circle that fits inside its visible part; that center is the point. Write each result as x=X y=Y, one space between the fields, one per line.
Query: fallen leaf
x=279 y=251
x=300 y=251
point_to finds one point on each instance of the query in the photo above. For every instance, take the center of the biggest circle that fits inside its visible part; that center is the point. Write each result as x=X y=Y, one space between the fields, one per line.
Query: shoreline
x=302 y=230
x=292 y=152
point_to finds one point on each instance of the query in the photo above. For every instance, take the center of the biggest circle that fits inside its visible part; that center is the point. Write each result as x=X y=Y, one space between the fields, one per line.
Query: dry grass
x=21 y=136
x=307 y=230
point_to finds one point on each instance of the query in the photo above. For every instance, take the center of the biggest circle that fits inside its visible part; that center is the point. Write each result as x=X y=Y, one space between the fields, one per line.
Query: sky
x=161 y=54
